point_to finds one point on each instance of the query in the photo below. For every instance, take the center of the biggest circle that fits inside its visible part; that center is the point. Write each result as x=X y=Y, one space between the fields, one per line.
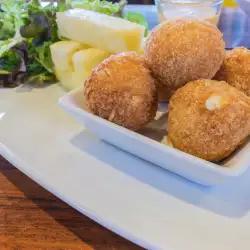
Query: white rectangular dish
x=142 y=202
x=188 y=166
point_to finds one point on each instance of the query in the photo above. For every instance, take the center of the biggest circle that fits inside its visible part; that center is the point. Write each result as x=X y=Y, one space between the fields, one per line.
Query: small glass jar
x=208 y=10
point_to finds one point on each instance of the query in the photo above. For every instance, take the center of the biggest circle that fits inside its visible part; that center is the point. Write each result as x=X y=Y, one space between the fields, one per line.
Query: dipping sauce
x=207 y=10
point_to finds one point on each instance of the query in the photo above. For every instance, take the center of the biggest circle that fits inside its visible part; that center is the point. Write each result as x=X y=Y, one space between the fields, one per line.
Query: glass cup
x=208 y=10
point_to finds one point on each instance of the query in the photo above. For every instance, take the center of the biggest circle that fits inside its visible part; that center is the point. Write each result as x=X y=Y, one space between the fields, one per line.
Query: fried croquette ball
x=183 y=50
x=208 y=119
x=122 y=90
x=235 y=69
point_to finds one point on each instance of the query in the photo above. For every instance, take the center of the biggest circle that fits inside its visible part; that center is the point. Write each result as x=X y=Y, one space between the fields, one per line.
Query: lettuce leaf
x=137 y=18
x=5 y=45
x=26 y=63
x=12 y=16
x=44 y=56
x=27 y=29
x=26 y=56
x=100 y=6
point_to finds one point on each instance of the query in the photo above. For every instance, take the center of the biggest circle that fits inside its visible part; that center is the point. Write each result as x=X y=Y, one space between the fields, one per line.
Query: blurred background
x=227 y=3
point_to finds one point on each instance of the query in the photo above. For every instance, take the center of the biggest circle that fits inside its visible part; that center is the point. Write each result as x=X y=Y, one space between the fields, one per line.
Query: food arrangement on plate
x=53 y=150
x=125 y=76
x=206 y=118
x=29 y=28
x=94 y=38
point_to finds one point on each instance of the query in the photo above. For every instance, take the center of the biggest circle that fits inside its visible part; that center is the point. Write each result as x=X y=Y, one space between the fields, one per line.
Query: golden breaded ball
x=122 y=90
x=235 y=69
x=208 y=119
x=183 y=50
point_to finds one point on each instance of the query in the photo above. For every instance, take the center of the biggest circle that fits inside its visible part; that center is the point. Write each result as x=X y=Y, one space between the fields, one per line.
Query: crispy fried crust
x=235 y=69
x=208 y=134
x=183 y=50
x=122 y=90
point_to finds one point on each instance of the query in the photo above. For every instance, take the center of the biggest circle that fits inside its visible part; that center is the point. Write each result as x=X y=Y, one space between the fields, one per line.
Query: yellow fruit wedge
x=82 y=63
x=65 y=78
x=69 y=80
x=62 y=52
x=101 y=31
x=85 y=60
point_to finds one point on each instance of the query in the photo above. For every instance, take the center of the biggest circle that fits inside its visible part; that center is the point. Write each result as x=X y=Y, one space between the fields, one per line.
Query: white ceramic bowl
x=188 y=166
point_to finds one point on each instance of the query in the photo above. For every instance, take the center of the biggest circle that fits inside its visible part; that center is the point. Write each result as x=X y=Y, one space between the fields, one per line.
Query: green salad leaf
x=25 y=50
x=9 y=61
x=137 y=18
x=44 y=56
x=5 y=45
x=28 y=28
x=41 y=24
x=100 y=6
x=13 y=65
x=39 y=64
x=12 y=16
x=26 y=63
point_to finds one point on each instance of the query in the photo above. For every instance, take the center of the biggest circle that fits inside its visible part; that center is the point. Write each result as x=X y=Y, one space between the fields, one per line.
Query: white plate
x=188 y=166
x=138 y=200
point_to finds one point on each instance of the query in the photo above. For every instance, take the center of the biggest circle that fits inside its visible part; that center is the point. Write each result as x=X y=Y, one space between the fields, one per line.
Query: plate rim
x=7 y=154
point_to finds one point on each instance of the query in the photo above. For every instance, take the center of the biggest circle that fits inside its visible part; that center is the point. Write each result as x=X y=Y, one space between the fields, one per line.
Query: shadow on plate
x=29 y=87
x=91 y=233
x=156 y=130
x=230 y=199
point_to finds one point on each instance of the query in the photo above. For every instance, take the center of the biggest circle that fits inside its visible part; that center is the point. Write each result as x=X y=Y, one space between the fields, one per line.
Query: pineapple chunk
x=77 y=80
x=100 y=31
x=85 y=60
x=70 y=80
x=62 y=52
x=65 y=78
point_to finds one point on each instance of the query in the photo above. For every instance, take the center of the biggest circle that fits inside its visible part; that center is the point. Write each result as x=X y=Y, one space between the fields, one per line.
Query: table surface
x=32 y=218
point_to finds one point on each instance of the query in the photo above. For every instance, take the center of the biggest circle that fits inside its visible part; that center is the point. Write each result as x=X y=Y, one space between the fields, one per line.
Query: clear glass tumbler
x=208 y=10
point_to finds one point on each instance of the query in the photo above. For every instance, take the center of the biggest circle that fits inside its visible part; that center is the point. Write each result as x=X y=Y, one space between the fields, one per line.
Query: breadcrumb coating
x=211 y=134
x=183 y=50
x=235 y=69
x=122 y=90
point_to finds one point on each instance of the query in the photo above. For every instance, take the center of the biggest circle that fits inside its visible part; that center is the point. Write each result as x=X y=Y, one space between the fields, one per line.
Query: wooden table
x=32 y=218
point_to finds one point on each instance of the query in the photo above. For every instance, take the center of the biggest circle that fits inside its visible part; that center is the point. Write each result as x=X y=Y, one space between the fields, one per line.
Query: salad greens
x=137 y=18
x=28 y=28
x=12 y=16
x=104 y=7
x=27 y=31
